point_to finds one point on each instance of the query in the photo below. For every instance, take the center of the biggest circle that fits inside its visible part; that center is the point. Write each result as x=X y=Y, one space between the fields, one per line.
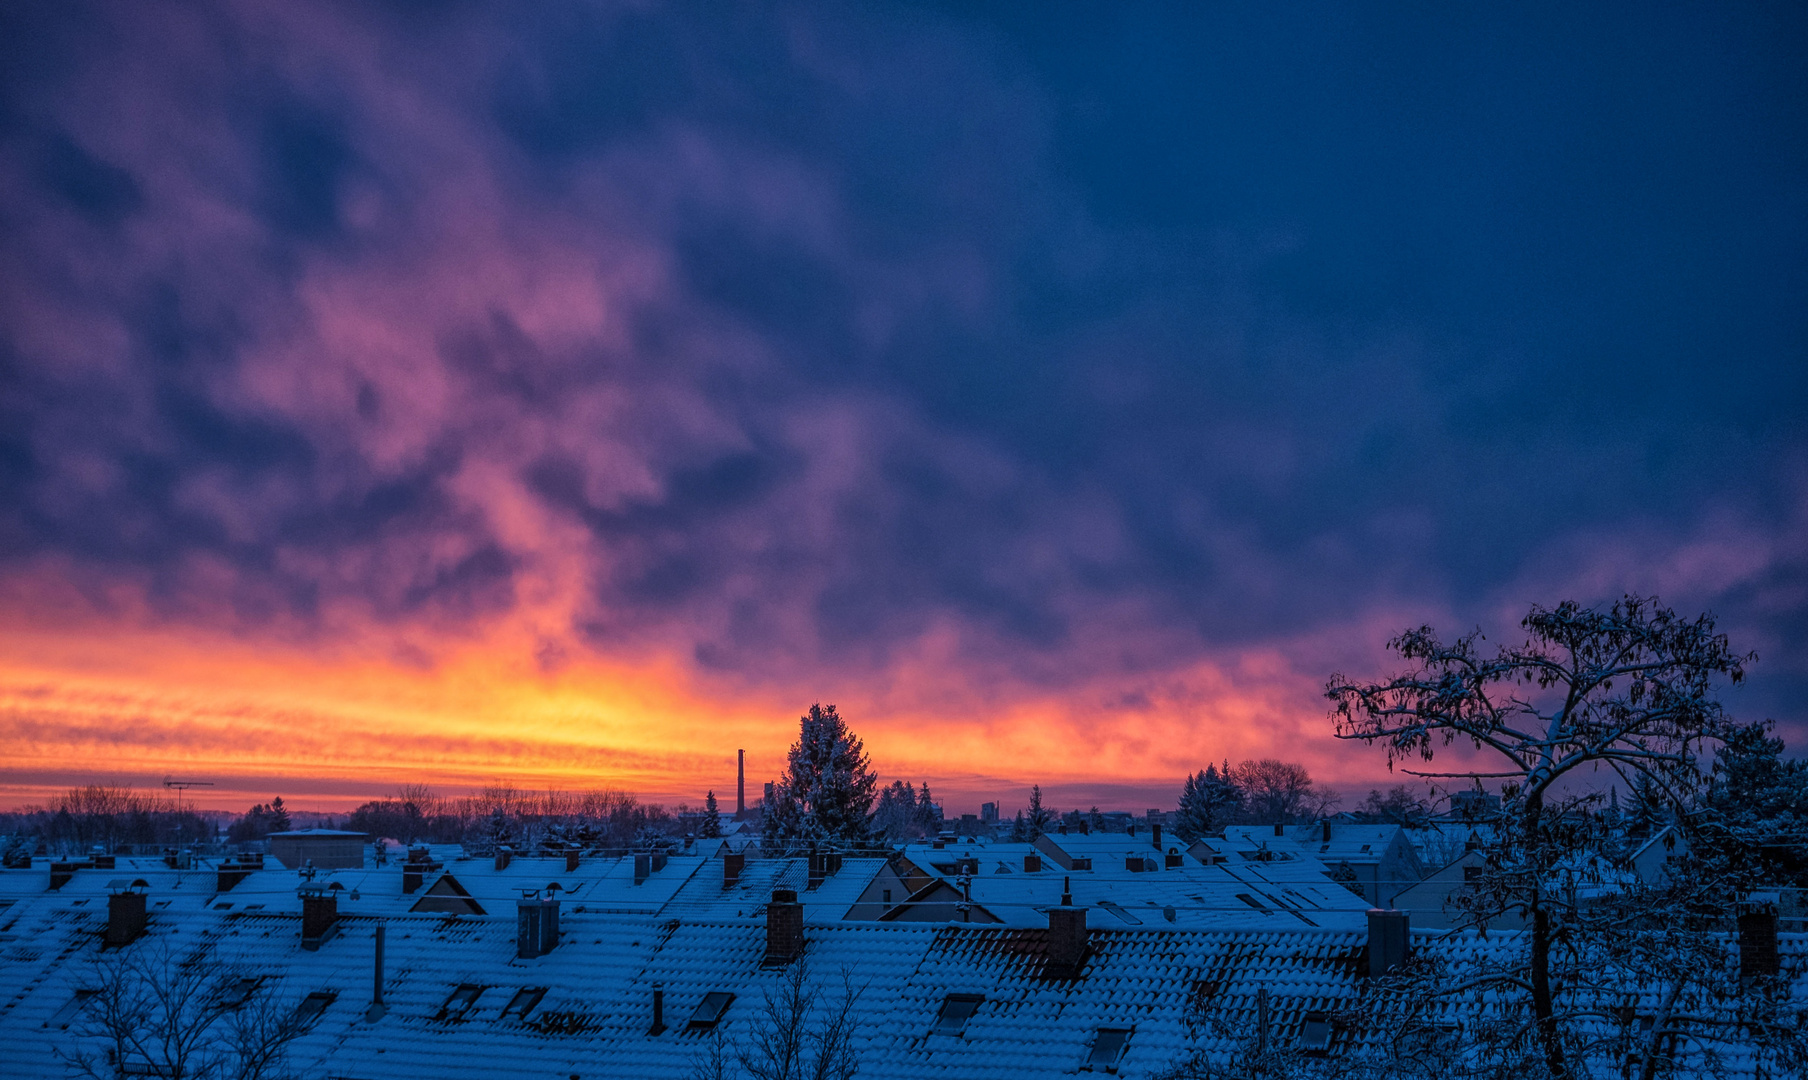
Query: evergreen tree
x=1039 y=819
x=929 y=819
x=1020 y=832
x=711 y=825
x=279 y=816
x=827 y=791
x=1206 y=800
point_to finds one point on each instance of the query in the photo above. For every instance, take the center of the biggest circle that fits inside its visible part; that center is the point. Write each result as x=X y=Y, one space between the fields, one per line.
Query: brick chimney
x=536 y=926
x=571 y=860
x=1327 y=830
x=643 y=867
x=818 y=870
x=319 y=915
x=1174 y=859
x=1155 y=835
x=229 y=874
x=125 y=911
x=1758 y=955
x=733 y=862
x=411 y=877
x=1389 y=937
x=1066 y=936
x=784 y=927
x=503 y=856
x=1032 y=864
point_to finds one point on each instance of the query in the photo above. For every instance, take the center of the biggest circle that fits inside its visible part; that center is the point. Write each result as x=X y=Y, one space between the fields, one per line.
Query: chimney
x=1066 y=936
x=740 y=785
x=1388 y=941
x=1174 y=859
x=1032 y=864
x=659 y=860
x=377 y=1008
x=658 y=1027
x=784 y=927
x=529 y=910
x=1327 y=830
x=125 y=911
x=571 y=860
x=503 y=857
x=733 y=862
x=818 y=870
x=1758 y=937
x=1278 y=829
x=319 y=915
x=549 y=920
x=411 y=877
x=1155 y=836
x=643 y=866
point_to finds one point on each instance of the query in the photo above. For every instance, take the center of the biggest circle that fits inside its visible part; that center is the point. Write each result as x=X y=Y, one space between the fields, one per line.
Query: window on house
x=312 y=1006
x=71 y=1009
x=1315 y=1033
x=885 y=897
x=237 y=992
x=1108 y=1048
x=709 y=1011
x=957 y=1009
x=1473 y=874
x=524 y=1001
x=459 y=1001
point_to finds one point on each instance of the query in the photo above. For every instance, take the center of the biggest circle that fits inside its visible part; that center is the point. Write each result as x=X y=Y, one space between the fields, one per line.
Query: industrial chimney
x=740 y=785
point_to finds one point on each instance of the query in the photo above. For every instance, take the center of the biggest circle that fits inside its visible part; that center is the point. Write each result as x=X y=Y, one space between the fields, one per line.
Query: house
x=580 y=982
x=1375 y=860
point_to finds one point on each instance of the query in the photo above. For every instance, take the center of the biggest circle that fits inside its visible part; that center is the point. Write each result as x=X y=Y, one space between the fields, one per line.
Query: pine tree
x=1020 y=833
x=929 y=819
x=1204 y=803
x=827 y=791
x=279 y=816
x=1039 y=819
x=711 y=825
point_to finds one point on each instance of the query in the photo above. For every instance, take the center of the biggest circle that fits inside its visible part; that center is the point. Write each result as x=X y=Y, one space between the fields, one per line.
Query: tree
x=1276 y=792
x=929 y=816
x=279 y=816
x=155 y=1014
x=1204 y=801
x=827 y=791
x=896 y=817
x=711 y=826
x=787 y=1042
x=1398 y=807
x=1629 y=689
x=1038 y=819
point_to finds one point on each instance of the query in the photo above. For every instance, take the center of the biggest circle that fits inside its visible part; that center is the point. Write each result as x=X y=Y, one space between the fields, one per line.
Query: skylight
x=1107 y=1048
x=459 y=1001
x=237 y=992
x=1118 y=910
x=1315 y=1033
x=72 y=1008
x=1251 y=901
x=957 y=1009
x=709 y=1011
x=312 y=1006
x=524 y=1001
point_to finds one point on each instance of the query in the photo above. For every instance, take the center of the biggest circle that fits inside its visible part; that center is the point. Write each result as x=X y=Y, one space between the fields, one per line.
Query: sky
x=570 y=395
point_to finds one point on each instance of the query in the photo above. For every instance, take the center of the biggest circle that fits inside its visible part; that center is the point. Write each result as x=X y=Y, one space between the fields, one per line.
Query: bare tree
x=1630 y=689
x=788 y=1043
x=172 y=1017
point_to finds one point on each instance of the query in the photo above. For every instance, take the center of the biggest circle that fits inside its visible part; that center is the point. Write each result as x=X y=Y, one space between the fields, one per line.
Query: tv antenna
x=181 y=786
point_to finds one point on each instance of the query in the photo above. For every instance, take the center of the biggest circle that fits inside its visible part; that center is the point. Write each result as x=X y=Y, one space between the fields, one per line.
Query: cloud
x=795 y=349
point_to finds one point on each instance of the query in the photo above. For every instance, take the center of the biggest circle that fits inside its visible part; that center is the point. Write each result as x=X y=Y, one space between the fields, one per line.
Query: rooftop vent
x=784 y=927
x=657 y=1027
x=1389 y=934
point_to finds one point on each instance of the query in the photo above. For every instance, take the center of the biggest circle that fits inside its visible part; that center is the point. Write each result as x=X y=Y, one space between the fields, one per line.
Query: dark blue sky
x=1102 y=341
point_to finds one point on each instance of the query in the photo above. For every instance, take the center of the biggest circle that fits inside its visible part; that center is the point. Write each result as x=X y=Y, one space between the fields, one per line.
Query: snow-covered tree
x=827 y=791
x=1630 y=689
x=710 y=826
x=1038 y=820
x=1205 y=800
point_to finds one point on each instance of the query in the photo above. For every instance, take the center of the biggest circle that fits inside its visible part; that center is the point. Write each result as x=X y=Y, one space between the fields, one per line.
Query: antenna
x=181 y=786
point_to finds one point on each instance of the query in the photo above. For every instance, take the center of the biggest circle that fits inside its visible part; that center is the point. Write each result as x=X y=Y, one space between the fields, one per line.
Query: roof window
x=1108 y=1048
x=237 y=992
x=72 y=1008
x=1118 y=910
x=459 y=1001
x=524 y=1001
x=957 y=1009
x=224 y=905
x=1252 y=902
x=312 y=1006
x=1315 y=1033
x=709 y=1011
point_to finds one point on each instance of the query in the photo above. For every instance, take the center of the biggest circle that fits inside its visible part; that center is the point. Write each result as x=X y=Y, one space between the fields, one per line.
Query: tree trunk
x=1543 y=1009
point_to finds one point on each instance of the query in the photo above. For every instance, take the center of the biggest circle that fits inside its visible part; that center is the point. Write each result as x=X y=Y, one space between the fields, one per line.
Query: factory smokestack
x=740 y=785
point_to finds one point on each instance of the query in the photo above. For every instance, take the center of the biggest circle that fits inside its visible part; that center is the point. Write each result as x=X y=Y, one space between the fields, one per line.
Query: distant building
x=988 y=813
x=326 y=849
